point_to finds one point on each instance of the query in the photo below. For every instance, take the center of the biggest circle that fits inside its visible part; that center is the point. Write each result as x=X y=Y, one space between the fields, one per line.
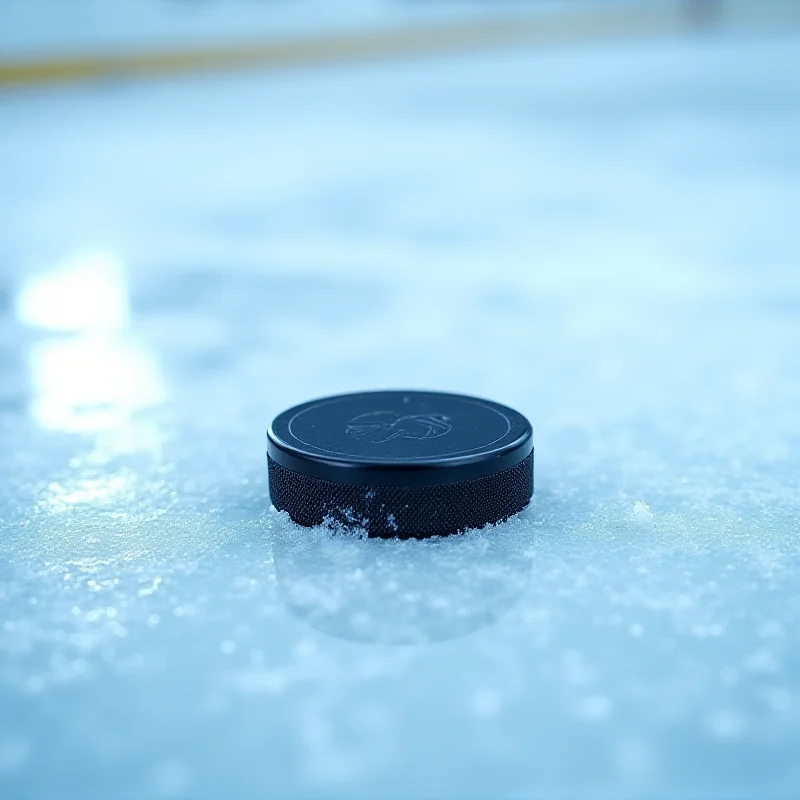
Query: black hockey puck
x=407 y=464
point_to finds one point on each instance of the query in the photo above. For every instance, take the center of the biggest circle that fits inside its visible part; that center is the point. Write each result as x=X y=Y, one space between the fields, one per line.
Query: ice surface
x=606 y=239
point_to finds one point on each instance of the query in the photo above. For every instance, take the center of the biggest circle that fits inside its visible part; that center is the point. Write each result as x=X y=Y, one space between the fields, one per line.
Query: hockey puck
x=405 y=464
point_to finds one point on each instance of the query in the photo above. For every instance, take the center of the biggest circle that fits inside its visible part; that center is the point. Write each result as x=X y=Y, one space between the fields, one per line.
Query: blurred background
x=212 y=210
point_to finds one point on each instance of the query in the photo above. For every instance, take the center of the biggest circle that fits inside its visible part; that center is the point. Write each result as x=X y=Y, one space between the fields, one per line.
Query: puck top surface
x=399 y=438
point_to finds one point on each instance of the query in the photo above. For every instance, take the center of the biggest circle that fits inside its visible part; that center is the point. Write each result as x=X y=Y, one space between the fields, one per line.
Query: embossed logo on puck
x=385 y=426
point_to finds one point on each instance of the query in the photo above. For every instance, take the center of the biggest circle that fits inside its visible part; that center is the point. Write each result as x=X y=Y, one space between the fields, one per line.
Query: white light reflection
x=86 y=293
x=89 y=375
x=91 y=384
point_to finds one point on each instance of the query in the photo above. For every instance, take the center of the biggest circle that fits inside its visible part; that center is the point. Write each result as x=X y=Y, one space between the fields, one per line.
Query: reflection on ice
x=89 y=376
x=101 y=490
x=402 y=592
x=86 y=293
x=97 y=377
x=92 y=383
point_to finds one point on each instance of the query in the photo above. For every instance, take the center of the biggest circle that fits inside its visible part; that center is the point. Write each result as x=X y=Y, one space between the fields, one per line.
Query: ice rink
x=605 y=236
